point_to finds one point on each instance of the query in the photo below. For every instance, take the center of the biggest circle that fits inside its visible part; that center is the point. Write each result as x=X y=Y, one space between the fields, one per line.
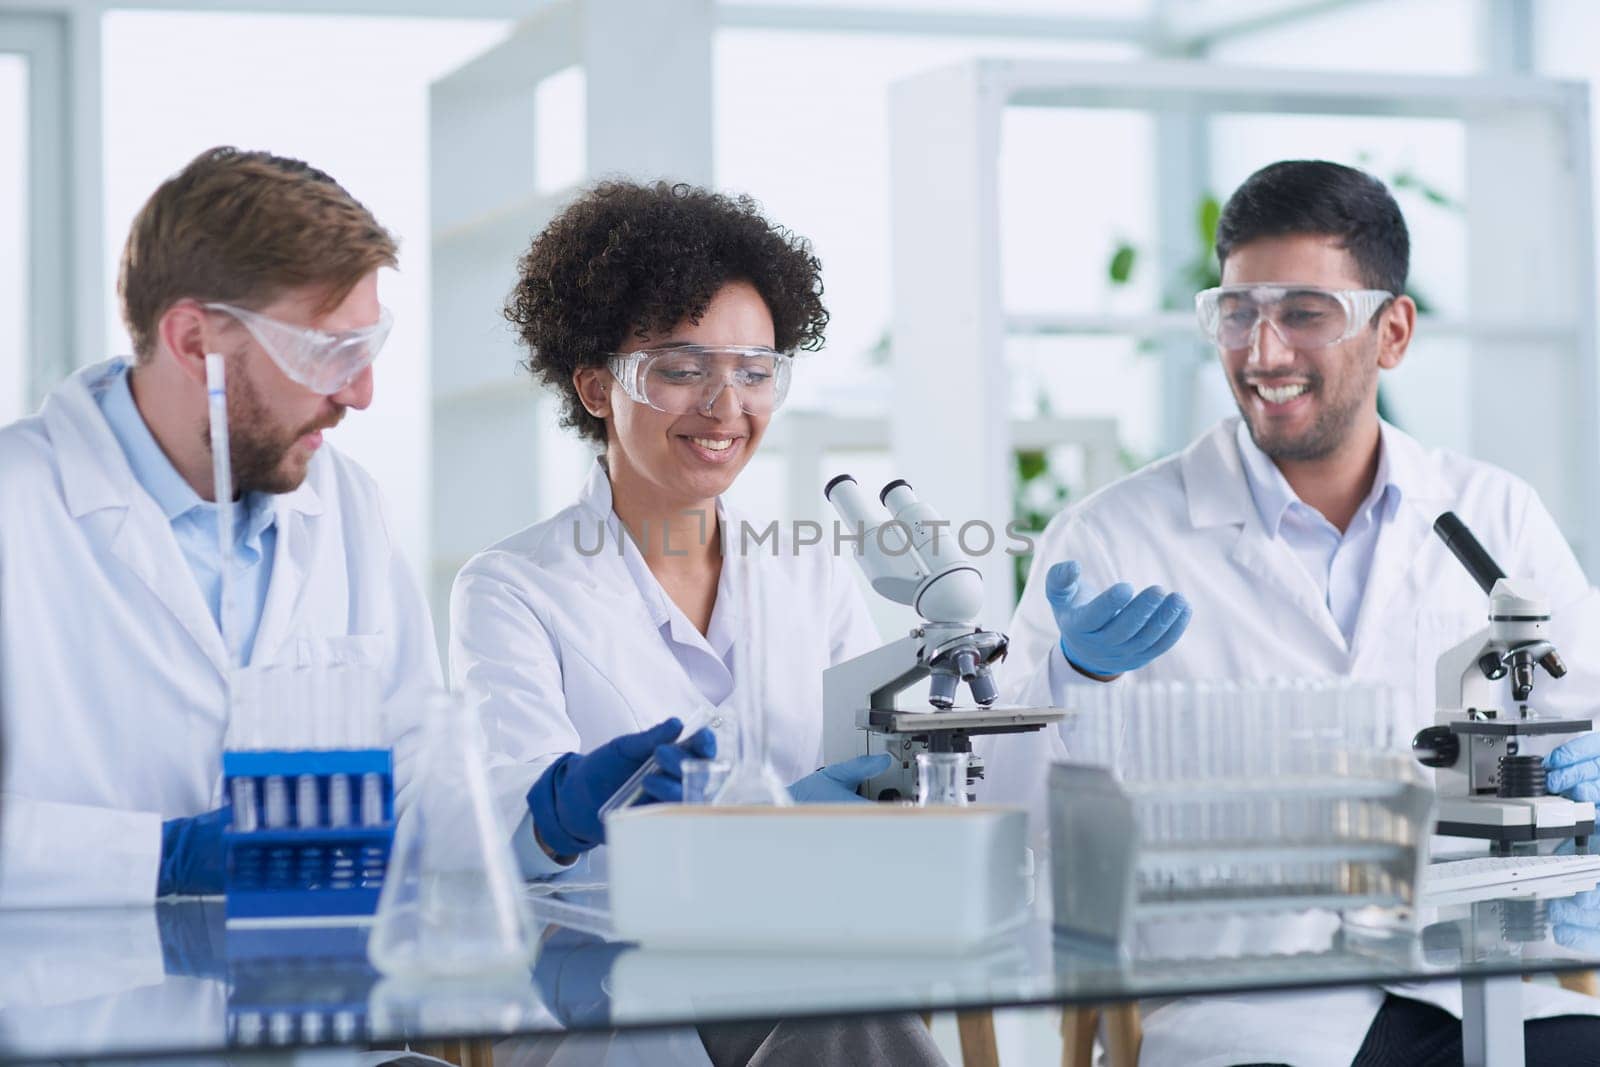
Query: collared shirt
x=194 y=521
x=1338 y=563
x=706 y=658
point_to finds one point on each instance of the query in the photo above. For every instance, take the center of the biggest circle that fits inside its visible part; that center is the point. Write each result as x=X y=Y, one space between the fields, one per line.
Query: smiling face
x=1305 y=405
x=683 y=460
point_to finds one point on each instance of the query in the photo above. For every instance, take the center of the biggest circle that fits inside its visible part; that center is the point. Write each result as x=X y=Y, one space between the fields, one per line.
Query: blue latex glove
x=1575 y=922
x=836 y=783
x=1117 y=631
x=566 y=800
x=1574 y=769
x=192 y=861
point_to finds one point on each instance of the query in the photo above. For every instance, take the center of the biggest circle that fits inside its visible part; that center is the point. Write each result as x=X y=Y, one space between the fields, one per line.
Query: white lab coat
x=112 y=670
x=1190 y=524
x=561 y=651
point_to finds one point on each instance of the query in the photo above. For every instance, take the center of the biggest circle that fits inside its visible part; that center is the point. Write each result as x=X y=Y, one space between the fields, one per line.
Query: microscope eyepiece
x=1473 y=556
x=827 y=490
x=883 y=494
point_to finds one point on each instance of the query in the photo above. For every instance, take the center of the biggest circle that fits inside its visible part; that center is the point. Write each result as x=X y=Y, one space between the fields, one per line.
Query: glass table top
x=175 y=979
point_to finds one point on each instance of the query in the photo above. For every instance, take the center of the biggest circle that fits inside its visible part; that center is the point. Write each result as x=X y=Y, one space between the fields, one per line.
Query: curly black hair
x=638 y=259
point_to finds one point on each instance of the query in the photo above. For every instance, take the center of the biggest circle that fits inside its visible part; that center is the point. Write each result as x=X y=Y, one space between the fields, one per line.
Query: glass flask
x=451 y=904
x=942 y=779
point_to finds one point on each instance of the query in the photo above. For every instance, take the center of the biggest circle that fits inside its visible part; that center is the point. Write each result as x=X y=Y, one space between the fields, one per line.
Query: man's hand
x=1117 y=631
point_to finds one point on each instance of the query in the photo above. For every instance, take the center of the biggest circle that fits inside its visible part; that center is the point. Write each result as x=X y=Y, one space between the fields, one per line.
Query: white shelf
x=866 y=433
x=1164 y=324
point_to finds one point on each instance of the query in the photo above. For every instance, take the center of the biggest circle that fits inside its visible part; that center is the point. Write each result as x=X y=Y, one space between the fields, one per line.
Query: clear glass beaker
x=703 y=779
x=942 y=779
x=451 y=904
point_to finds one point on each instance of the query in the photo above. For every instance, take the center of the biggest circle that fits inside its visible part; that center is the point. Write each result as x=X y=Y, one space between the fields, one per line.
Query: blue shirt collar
x=151 y=467
x=1274 y=496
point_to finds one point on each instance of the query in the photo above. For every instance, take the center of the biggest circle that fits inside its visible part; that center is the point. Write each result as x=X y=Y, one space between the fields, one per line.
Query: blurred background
x=1013 y=202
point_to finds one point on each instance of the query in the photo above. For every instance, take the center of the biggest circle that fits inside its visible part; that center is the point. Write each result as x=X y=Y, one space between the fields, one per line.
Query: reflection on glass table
x=174 y=979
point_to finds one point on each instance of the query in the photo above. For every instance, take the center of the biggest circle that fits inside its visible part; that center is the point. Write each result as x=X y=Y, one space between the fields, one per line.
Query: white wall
x=13 y=217
x=1567 y=45
x=348 y=95
x=815 y=151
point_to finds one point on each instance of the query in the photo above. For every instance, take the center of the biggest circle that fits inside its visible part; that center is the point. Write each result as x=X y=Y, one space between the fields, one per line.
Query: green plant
x=1200 y=272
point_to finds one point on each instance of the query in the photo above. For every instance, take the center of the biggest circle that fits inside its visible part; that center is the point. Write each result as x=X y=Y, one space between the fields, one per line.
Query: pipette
x=629 y=791
x=222 y=485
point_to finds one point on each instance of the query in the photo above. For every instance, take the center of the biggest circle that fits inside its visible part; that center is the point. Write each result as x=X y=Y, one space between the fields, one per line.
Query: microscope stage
x=1518 y=727
x=966 y=720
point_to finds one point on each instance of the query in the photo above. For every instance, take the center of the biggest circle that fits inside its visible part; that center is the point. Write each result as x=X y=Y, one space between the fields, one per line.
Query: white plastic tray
x=817 y=877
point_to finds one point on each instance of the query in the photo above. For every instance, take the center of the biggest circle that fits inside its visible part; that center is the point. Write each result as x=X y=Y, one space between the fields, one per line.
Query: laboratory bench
x=176 y=980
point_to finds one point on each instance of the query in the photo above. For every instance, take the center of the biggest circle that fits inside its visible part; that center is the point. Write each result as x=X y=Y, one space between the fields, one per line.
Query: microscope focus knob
x=1436 y=746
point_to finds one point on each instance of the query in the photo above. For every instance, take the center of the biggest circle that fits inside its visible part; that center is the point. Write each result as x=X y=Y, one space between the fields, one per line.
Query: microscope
x=1491 y=779
x=911 y=556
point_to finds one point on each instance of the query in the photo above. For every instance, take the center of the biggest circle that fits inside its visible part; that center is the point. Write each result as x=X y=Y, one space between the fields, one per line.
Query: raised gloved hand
x=836 y=783
x=565 y=802
x=1117 y=631
x=1574 y=769
x=192 y=861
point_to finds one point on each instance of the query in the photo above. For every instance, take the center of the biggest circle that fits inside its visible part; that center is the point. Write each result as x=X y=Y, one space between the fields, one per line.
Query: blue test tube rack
x=304 y=866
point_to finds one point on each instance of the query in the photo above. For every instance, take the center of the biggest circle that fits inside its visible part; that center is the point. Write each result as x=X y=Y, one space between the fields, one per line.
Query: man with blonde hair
x=114 y=648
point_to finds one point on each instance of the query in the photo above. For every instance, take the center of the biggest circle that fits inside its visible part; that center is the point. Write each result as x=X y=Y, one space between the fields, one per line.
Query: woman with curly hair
x=667 y=318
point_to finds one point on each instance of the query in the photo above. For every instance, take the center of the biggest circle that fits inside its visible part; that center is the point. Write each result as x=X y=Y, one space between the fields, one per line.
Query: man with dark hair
x=115 y=640
x=1300 y=532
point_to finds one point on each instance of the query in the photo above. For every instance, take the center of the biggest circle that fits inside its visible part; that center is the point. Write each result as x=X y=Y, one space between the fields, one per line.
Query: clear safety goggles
x=1302 y=316
x=322 y=361
x=688 y=378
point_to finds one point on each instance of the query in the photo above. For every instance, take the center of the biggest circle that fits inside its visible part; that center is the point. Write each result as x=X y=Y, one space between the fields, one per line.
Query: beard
x=258 y=446
x=1337 y=415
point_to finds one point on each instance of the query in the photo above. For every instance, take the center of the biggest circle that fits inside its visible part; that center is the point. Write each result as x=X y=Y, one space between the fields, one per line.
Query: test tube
x=305 y=802
x=339 y=800
x=247 y=1029
x=246 y=817
x=305 y=689
x=372 y=799
x=280 y=1027
x=311 y=1027
x=345 y=1026
x=276 y=802
x=371 y=713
